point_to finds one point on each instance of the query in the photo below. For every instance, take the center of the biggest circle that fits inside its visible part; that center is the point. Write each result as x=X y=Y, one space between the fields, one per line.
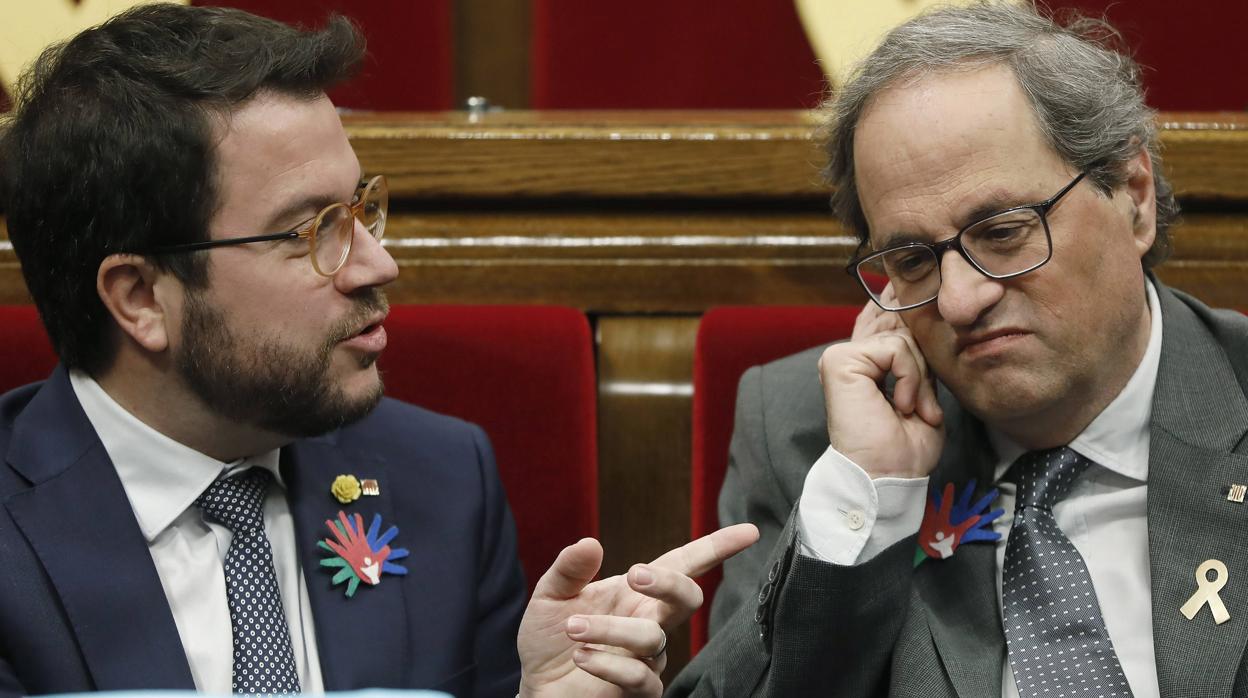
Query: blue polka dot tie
x=1058 y=644
x=264 y=662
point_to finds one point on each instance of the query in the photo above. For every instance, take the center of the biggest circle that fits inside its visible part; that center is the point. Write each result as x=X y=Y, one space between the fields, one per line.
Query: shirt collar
x=161 y=477
x=1118 y=438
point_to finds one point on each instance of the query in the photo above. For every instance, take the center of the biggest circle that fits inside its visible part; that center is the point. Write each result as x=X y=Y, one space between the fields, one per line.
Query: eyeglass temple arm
x=209 y=244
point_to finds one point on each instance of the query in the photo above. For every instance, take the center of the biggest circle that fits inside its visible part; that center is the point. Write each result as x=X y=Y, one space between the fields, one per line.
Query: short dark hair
x=110 y=147
x=1085 y=94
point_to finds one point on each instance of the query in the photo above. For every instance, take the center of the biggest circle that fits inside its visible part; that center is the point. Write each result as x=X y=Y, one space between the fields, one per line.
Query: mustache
x=368 y=303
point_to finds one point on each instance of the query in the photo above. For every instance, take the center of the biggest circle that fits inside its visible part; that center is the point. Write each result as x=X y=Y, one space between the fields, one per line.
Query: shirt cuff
x=846 y=518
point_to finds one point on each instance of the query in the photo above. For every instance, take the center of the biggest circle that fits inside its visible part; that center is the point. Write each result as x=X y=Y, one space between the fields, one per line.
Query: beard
x=263 y=381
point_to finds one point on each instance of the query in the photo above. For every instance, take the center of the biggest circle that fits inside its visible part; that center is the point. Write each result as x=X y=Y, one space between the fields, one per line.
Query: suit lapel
x=1199 y=416
x=362 y=640
x=960 y=593
x=79 y=522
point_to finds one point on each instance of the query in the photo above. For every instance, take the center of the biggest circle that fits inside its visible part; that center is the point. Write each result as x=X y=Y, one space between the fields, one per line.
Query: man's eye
x=1003 y=233
x=910 y=262
x=909 y=265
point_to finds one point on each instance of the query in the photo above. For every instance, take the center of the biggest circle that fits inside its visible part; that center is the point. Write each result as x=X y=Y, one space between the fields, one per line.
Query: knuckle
x=829 y=355
x=635 y=675
x=604 y=625
x=697 y=596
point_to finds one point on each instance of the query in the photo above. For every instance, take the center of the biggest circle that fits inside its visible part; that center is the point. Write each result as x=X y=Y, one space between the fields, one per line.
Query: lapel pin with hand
x=1207 y=592
x=1235 y=493
x=948 y=524
x=360 y=556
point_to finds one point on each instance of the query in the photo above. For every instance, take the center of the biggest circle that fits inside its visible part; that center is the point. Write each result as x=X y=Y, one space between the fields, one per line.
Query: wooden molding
x=518 y=155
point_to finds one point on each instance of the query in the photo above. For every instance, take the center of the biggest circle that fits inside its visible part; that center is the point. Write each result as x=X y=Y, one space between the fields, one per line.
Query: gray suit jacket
x=788 y=625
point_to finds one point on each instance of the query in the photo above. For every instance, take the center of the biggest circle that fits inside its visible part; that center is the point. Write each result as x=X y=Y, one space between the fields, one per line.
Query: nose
x=965 y=293
x=369 y=264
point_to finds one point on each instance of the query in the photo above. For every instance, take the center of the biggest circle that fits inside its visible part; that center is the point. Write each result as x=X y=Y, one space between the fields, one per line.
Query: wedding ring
x=662 y=648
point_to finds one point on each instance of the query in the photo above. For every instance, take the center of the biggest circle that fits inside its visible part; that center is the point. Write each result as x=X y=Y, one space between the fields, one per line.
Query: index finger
x=889 y=294
x=870 y=311
x=873 y=319
x=699 y=556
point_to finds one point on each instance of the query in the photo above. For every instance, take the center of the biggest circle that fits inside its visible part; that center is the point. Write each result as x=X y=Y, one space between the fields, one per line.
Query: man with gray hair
x=1012 y=479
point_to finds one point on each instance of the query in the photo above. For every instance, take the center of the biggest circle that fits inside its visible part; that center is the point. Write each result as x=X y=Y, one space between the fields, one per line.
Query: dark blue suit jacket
x=82 y=607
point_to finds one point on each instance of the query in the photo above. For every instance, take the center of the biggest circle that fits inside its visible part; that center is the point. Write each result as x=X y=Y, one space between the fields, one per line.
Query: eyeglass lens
x=1004 y=245
x=335 y=227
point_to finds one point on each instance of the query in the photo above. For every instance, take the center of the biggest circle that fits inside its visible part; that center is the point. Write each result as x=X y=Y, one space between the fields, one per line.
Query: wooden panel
x=626 y=260
x=763 y=154
x=590 y=154
x=1206 y=155
x=645 y=395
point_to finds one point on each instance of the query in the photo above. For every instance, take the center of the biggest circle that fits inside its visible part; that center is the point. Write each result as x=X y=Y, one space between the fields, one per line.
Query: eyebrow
x=297 y=209
x=994 y=202
x=901 y=238
x=278 y=221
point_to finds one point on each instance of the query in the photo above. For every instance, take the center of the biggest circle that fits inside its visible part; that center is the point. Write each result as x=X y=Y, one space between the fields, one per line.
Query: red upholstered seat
x=657 y=54
x=730 y=340
x=411 y=48
x=524 y=373
x=26 y=352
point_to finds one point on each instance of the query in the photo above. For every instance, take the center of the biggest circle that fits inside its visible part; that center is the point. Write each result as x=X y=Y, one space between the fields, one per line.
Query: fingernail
x=643 y=576
x=580 y=655
x=577 y=625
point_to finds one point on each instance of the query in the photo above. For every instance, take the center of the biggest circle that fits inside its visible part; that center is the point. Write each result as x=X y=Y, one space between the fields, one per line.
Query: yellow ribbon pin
x=1207 y=592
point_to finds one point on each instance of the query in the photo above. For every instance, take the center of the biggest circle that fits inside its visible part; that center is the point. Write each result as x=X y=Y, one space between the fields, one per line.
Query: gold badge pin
x=346 y=489
x=1207 y=592
x=370 y=488
x=1235 y=493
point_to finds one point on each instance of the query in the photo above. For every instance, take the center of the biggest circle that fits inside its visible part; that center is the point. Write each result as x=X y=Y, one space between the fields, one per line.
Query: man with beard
x=1001 y=173
x=204 y=251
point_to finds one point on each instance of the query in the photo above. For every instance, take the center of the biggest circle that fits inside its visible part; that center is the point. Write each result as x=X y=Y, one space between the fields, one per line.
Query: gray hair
x=1085 y=93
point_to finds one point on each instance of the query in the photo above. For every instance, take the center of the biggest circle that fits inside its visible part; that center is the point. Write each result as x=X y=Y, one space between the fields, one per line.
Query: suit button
x=773 y=572
x=764 y=594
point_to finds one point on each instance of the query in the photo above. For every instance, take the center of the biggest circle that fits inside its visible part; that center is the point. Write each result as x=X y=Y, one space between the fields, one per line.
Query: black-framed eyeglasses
x=329 y=234
x=1004 y=245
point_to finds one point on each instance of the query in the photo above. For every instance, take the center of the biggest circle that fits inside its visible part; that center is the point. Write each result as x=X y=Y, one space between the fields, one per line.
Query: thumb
x=576 y=566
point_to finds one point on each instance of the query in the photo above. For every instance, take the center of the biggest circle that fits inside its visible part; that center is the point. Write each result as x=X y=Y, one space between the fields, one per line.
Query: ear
x=135 y=293
x=1143 y=199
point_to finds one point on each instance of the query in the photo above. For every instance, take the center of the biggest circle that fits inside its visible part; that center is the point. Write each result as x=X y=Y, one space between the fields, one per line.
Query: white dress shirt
x=845 y=517
x=162 y=478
